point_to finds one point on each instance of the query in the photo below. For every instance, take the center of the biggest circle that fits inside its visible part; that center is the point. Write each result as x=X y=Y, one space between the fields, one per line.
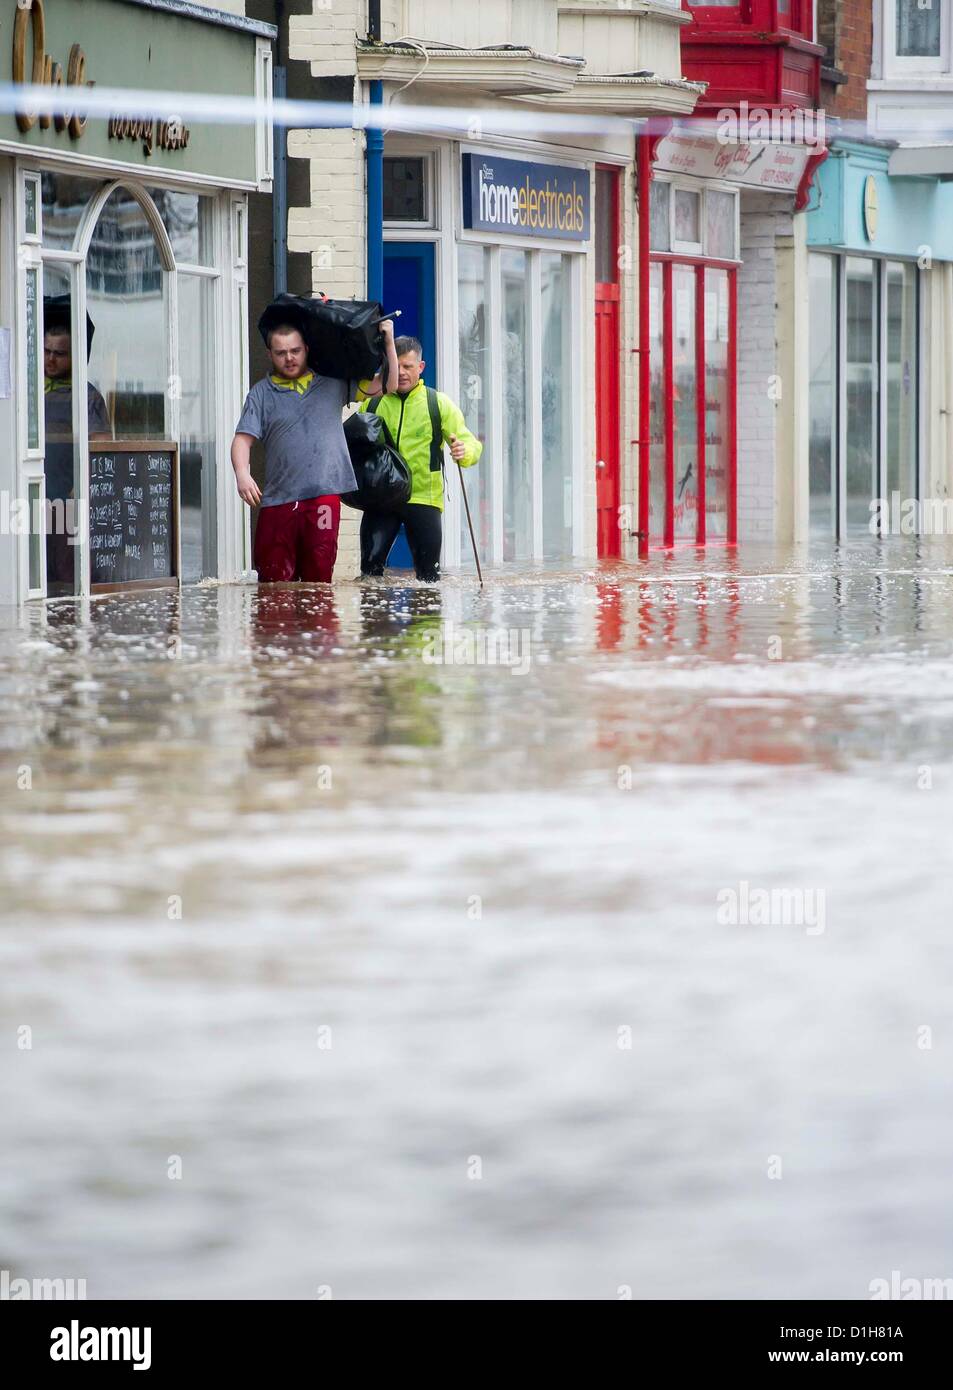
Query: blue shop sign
x=520 y=199
x=856 y=205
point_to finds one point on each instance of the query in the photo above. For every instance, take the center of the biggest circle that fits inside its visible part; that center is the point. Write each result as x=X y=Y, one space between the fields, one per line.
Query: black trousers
x=424 y=527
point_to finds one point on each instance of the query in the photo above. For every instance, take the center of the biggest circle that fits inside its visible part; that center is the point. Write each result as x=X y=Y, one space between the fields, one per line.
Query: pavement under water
x=339 y=954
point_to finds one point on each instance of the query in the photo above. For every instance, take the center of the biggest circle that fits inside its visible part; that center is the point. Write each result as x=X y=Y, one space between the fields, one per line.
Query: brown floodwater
x=406 y=942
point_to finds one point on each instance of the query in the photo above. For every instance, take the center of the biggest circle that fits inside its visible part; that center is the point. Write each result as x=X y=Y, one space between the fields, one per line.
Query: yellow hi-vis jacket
x=408 y=419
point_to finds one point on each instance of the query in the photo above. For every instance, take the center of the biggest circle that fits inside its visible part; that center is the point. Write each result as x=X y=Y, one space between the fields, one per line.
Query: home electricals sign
x=534 y=200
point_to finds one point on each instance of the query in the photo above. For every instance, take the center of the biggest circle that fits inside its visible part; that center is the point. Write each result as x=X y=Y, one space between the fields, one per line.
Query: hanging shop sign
x=520 y=199
x=777 y=167
x=139 y=48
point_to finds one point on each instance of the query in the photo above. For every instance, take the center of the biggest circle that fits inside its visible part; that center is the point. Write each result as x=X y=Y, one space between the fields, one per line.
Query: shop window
x=823 y=404
x=660 y=214
x=557 y=499
x=61 y=461
x=862 y=391
x=406 y=192
x=35 y=554
x=693 y=221
x=657 y=408
x=65 y=199
x=717 y=404
x=125 y=291
x=517 y=481
x=197 y=456
x=474 y=277
x=687 y=230
x=902 y=379
x=720 y=225
x=187 y=218
x=692 y=405
x=33 y=357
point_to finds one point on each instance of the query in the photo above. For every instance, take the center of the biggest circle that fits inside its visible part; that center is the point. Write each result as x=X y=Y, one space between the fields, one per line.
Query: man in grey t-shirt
x=298 y=416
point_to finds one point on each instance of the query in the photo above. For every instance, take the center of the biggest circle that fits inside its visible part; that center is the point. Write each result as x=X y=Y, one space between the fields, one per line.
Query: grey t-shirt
x=58 y=464
x=305 y=450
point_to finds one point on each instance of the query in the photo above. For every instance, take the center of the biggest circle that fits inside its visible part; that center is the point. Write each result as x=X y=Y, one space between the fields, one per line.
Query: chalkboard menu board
x=133 y=515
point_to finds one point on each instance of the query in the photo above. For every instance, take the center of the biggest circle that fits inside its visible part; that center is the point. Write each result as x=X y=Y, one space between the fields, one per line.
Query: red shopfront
x=689 y=475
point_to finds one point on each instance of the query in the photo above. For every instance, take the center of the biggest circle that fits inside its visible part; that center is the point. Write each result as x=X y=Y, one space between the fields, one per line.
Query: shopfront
x=505 y=239
x=718 y=213
x=879 y=324
x=123 y=292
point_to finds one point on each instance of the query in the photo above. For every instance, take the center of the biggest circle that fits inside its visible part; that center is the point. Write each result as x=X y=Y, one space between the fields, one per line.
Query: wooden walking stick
x=466 y=503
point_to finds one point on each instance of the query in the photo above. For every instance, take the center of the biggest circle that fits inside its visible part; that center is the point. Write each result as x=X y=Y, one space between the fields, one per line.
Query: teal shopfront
x=880 y=248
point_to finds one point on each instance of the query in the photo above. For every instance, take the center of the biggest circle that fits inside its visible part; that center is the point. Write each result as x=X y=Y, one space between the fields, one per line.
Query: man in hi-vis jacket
x=421 y=422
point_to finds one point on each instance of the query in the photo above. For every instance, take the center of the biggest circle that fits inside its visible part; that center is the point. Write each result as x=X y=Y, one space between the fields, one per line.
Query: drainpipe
x=280 y=190
x=375 y=174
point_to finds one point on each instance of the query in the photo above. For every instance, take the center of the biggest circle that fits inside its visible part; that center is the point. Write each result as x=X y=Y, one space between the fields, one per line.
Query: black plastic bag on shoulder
x=383 y=476
x=343 y=335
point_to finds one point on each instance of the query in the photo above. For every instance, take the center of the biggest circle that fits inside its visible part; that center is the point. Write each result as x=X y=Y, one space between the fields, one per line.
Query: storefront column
x=792 y=516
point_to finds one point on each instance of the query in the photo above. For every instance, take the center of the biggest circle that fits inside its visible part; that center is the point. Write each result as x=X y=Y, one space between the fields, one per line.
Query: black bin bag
x=343 y=335
x=383 y=476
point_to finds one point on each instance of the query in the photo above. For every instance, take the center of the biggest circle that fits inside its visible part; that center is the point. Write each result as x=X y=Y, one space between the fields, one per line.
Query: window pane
x=901 y=379
x=65 y=199
x=517 y=477
x=716 y=403
x=188 y=220
x=405 y=197
x=660 y=231
x=61 y=460
x=36 y=530
x=606 y=230
x=32 y=358
x=125 y=289
x=656 y=407
x=557 y=405
x=720 y=225
x=30 y=207
x=822 y=288
x=197 y=426
x=474 y=272
x=687 y=216
x=862 y=391
x=918 y=28
x=685 y=382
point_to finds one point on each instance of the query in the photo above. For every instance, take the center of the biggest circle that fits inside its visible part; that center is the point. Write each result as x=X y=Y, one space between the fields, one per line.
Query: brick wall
x=845 y=27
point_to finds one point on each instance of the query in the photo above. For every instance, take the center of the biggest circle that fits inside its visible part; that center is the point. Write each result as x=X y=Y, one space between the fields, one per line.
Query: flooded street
x=423 y=969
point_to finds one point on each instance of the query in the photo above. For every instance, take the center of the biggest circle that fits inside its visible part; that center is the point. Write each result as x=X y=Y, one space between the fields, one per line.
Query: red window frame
x=701 y=265
x=762 y=17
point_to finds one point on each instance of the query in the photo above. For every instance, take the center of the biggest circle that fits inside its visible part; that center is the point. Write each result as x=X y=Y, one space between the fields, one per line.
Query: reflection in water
x=233 y=817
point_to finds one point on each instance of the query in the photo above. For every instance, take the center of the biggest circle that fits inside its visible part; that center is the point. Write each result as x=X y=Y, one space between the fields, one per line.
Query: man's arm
x=248 y=489
x=385 y=380
x=464 y=446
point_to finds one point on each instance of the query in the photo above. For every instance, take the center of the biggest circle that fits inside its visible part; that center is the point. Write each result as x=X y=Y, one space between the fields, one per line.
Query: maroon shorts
x=298 y=540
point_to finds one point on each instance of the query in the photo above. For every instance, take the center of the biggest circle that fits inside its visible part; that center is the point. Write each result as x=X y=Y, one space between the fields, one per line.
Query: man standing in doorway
x=298 y=417
x=58 y=465
x=421 y=422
